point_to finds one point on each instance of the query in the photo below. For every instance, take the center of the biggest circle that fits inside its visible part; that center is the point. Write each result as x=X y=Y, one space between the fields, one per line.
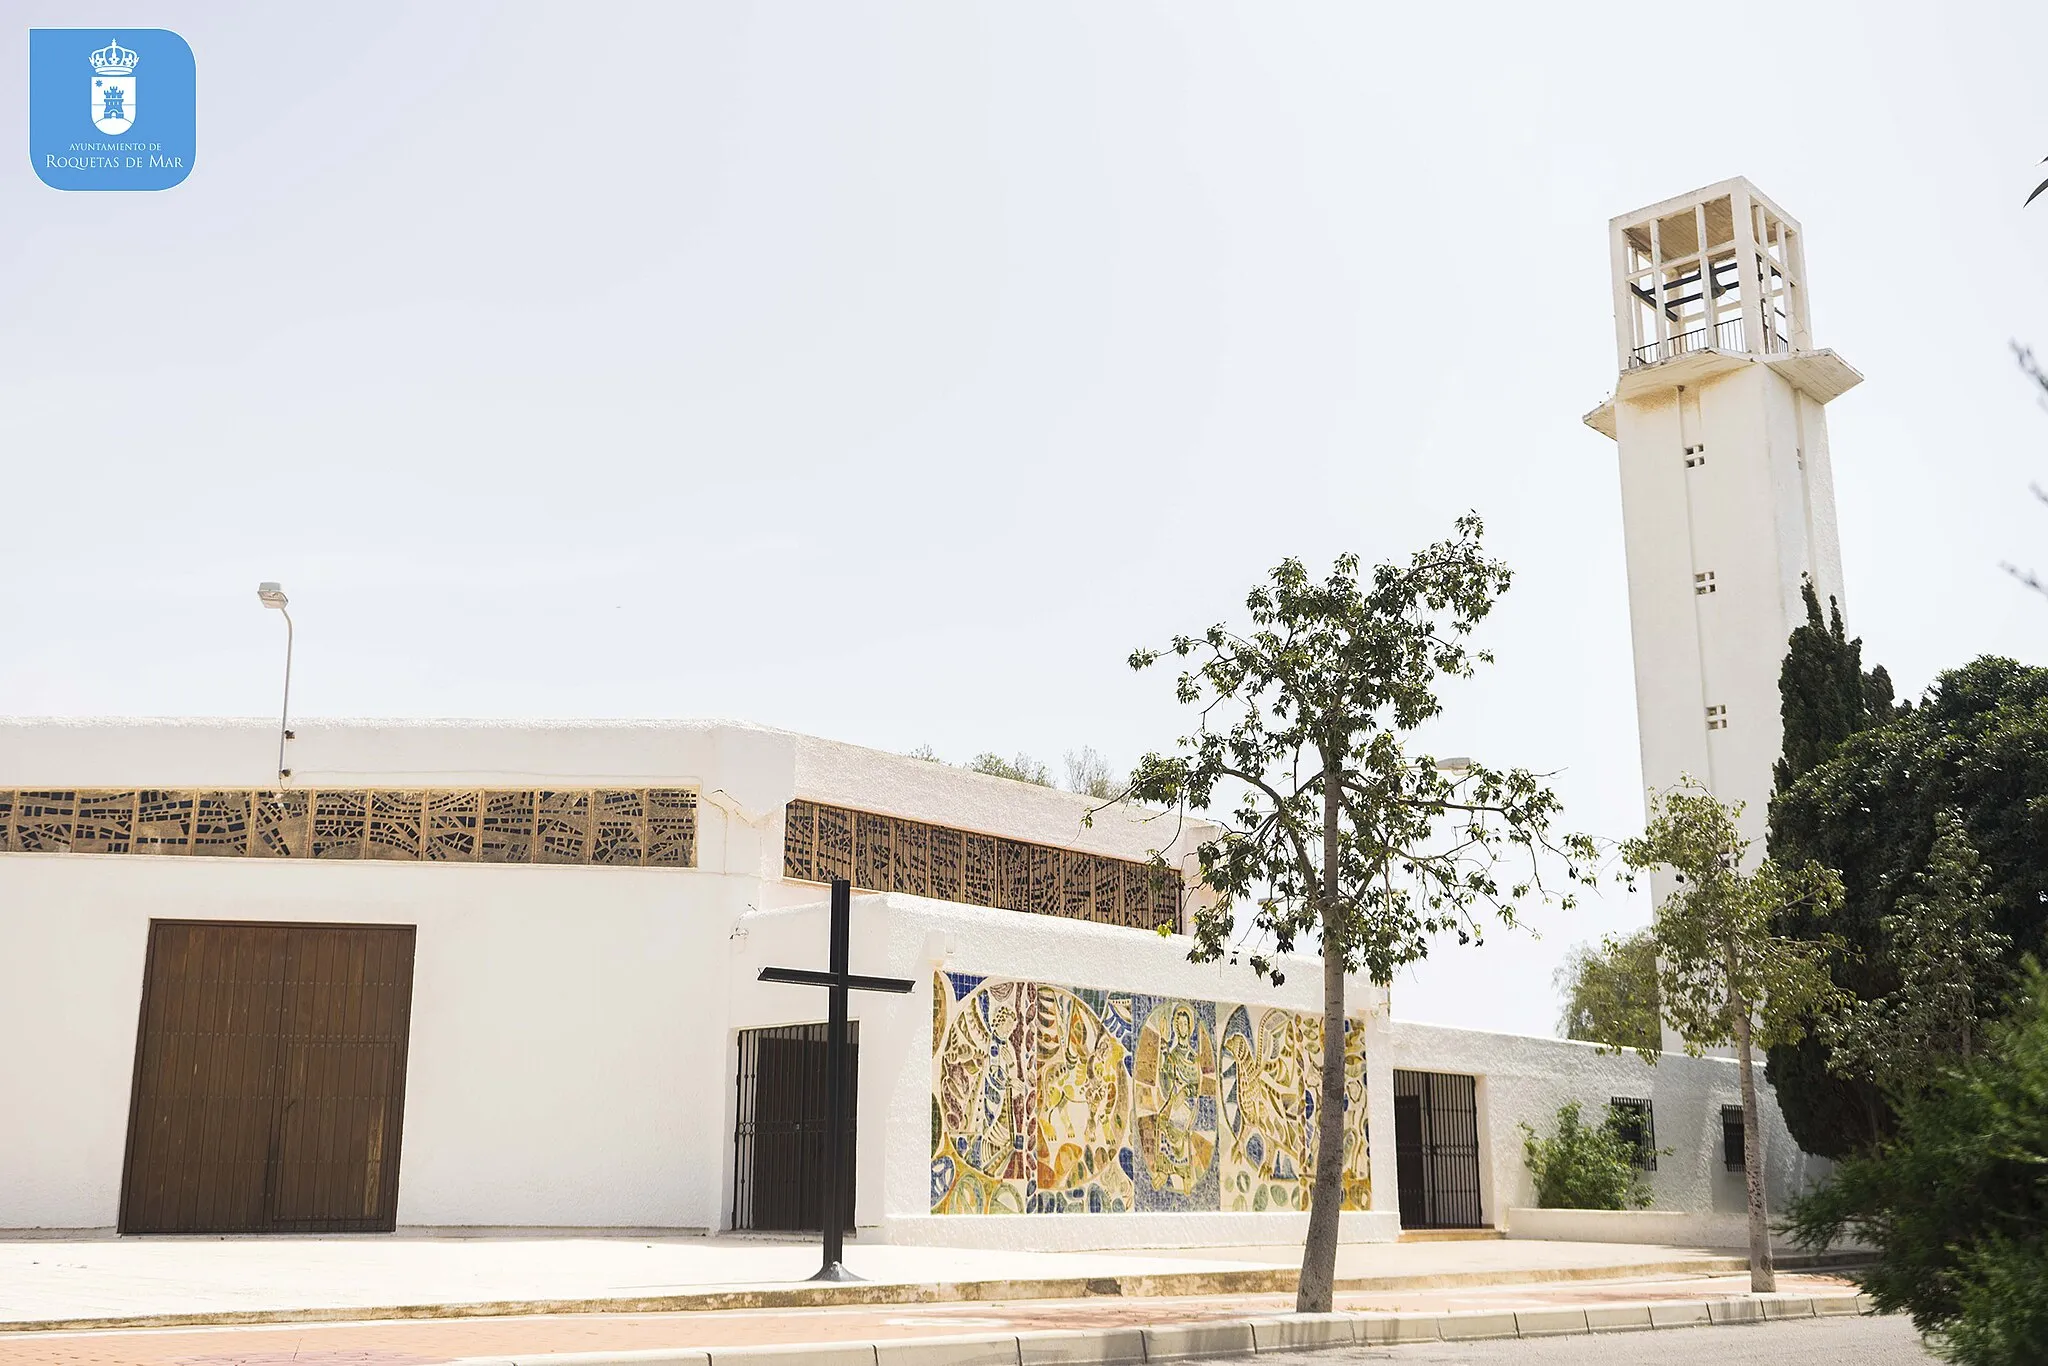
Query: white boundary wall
x=1525 y=1080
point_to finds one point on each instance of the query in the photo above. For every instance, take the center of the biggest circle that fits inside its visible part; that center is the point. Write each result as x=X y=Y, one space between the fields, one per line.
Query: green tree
x=1610 y=994
x=1724 y=977
x=1825 y=696
x=1585 y=1166
x=1023 y=768
x=1956 y=1201
x=1331 y=828
x=1952 y=970
x=1978 y=745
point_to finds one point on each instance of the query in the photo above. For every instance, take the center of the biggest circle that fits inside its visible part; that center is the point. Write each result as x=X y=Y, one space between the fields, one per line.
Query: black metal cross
x=838 y=981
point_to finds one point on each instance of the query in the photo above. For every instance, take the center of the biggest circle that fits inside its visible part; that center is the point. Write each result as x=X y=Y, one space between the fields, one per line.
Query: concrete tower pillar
x=1727 y=493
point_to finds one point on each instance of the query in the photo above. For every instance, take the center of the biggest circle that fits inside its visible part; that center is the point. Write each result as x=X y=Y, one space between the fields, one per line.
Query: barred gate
x=1436 y=1144
x=779 y=1135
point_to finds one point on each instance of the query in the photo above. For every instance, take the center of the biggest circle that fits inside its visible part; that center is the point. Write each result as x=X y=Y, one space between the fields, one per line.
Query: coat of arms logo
x=113 y=88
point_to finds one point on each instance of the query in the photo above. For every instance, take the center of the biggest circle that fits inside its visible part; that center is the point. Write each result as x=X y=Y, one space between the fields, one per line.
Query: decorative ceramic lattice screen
x=891 y=854
x=652 y=827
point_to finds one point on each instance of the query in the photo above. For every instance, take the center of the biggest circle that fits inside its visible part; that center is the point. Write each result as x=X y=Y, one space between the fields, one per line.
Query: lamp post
x=272 y=595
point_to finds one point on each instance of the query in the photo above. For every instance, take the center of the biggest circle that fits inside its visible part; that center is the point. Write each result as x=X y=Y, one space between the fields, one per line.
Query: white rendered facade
x=1726 y=480
x=575 y=1030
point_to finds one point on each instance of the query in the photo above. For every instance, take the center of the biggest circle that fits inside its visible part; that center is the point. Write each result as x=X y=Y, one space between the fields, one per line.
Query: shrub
x=1956 y=1201
x=1585 y=1166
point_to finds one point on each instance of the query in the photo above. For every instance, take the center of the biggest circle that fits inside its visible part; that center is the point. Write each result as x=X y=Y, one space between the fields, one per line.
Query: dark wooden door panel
x=205 y=1079
x=270 y=1079
x=346 y=1005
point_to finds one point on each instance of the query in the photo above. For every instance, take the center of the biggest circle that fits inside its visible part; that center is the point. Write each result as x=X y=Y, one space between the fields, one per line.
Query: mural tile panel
x=1051 y=1099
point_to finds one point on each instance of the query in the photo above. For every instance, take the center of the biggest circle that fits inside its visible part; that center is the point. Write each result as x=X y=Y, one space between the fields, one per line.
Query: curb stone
x=1229 y=1338
x=802 y=1295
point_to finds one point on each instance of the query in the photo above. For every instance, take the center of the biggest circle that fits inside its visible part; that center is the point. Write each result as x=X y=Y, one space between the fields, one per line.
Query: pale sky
x=887 y=371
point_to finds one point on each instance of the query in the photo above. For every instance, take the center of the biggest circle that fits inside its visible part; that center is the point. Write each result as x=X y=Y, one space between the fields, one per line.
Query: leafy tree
x=1724 y=976
x=1023 y=768
x=1951 y=965
x=1978 y=745
x=1330 y=828
x=1610 y=994
x=1956 y=1202
x=1585 y=1166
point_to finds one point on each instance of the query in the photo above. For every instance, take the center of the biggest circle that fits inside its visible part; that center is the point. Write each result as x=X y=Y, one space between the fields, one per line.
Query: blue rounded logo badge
x=111 y=108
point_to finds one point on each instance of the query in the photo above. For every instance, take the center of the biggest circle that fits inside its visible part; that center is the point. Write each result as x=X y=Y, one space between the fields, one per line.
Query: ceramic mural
x=1050 y=1099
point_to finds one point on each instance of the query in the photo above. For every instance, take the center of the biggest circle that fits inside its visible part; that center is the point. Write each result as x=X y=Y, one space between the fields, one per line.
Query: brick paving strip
x=1099 y=1329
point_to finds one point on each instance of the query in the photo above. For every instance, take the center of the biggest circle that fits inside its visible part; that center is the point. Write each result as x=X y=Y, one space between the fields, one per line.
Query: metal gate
x=778 y=1149
x=1436 y=1144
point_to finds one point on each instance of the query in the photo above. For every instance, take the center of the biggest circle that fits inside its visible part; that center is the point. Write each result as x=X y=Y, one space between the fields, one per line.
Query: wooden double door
x=269 y=1079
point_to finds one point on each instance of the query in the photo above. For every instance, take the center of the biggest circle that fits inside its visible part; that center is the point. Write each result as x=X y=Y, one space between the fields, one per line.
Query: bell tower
x=1727 y=493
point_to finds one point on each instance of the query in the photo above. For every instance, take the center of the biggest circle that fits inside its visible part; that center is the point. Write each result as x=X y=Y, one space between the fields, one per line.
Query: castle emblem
x=113 y=88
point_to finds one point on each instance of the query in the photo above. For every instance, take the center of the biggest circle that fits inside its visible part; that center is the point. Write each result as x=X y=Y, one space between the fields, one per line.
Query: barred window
x=1635 y=1125
x=1732 y=1146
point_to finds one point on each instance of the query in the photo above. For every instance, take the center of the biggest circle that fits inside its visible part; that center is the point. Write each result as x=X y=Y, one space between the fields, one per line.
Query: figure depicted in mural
x=1266 y=1140
x=983 y=1083
x=1175 y=1100
x=1083 y=1109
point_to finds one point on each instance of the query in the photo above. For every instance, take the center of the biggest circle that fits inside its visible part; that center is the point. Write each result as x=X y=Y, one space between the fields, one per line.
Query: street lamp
x=272 y=595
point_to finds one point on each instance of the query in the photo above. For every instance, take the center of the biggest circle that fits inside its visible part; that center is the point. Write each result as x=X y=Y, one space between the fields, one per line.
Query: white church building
x=467 y=975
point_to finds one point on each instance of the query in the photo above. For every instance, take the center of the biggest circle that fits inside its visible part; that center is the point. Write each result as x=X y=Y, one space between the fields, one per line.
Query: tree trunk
x=1763 y=1278
x=1317 y=1288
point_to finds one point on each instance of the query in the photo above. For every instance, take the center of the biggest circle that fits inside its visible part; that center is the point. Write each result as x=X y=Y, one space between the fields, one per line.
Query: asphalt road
x=1888 y=1341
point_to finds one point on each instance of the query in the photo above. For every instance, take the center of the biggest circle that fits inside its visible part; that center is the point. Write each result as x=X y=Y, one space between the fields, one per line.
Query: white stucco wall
x=913 y=937
x=1525 y=1080
x=564 y=1023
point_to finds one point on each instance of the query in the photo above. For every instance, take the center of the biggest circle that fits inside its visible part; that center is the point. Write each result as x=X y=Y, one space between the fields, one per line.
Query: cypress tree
x=1824 y=698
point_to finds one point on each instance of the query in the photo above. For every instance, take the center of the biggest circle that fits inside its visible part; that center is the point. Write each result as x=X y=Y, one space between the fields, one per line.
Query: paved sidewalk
x=108 y=1281
x=954 y=1332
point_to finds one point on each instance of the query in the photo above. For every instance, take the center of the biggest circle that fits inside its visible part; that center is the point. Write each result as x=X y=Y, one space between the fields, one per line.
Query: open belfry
x=1727 y=491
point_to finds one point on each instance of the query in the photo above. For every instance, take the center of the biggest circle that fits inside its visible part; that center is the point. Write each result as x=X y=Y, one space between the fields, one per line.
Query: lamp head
x=1457 y=767
x=271 y=595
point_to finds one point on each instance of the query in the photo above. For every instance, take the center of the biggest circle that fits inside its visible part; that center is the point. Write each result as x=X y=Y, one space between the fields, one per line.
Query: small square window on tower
x=1703 y=583
x=1695 y=456
x=1717 y=718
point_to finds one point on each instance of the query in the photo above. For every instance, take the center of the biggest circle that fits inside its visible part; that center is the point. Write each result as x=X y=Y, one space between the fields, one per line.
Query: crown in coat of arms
x=114 y=60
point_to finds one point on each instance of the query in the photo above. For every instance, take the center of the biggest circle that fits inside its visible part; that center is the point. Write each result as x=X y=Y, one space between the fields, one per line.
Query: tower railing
x=1726 y=335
